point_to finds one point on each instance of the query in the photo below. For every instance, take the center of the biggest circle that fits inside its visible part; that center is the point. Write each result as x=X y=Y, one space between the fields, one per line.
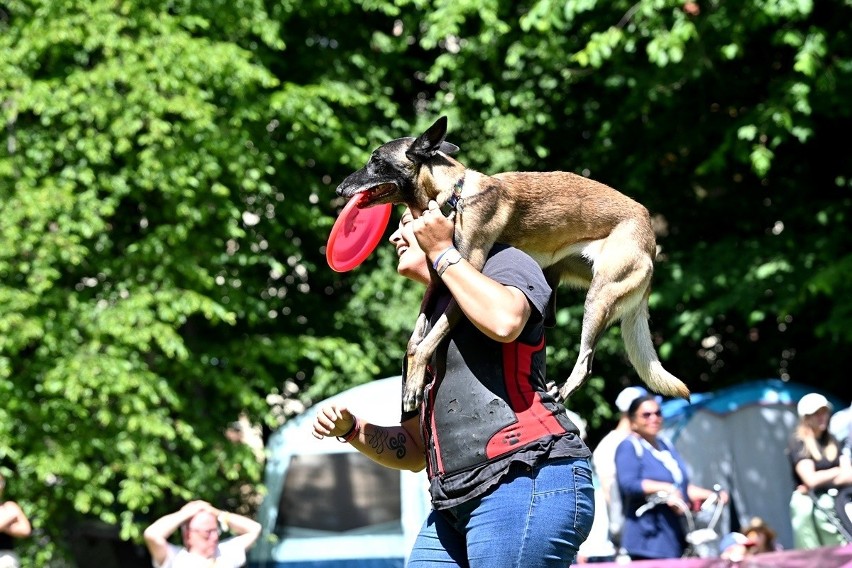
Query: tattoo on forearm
x=398 y=444
x=379 y=439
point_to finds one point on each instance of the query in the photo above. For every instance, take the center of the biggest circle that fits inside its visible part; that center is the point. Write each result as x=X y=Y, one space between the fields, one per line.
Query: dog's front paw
x=564 y=392
x=411 y=399
x=551 y=389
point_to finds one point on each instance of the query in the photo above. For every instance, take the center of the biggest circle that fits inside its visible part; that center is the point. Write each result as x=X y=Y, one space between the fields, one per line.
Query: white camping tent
x=327 y=505
x=737 y=437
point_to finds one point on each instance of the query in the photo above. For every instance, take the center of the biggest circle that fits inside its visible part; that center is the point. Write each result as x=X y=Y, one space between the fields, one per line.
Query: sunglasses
x=647 y=415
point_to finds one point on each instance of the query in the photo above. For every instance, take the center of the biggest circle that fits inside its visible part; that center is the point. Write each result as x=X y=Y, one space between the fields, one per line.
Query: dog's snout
x=340 y=190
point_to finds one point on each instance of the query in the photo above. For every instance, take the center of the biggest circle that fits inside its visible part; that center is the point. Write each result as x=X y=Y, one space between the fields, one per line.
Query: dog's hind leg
x=588 y=340
x=619 y=290
x=621 y=275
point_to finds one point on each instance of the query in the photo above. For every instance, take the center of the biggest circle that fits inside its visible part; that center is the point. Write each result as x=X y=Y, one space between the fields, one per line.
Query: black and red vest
x=487 y=399
x=485 y=407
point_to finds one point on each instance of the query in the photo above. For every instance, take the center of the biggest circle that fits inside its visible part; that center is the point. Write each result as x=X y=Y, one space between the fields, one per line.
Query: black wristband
x=351 y=433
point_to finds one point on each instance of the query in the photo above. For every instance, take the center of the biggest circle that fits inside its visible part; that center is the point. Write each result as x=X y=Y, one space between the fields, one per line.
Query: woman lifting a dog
x=509 y=476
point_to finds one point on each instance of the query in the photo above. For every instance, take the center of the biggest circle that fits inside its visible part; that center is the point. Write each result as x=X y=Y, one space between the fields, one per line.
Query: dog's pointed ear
x=430 y=142
x=449 y=148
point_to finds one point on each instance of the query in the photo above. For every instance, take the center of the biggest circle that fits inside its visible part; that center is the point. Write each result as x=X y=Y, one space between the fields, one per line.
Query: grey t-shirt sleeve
x=512 y=267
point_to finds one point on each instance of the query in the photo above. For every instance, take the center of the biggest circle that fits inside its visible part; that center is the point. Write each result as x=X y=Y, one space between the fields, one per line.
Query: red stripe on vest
x=534 y=419
x=438 y=467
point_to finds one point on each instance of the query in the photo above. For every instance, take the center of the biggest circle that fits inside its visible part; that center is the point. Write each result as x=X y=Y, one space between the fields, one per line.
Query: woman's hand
x=844 y=476
x=498 y=311
x=676 y=501
x=192 y=508
x=332 y=420
x=433 y=231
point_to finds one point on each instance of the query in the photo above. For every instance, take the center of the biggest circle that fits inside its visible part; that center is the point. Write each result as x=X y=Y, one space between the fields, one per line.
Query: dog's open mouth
x=383 y=193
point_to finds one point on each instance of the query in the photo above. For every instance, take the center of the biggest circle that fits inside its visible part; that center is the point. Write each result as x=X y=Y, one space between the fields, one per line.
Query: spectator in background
x=603 y=461
x=597 y=547
x=645 y=465
x=735 y=547
x=815 y=457
x=200 y=524
x=14 y=524
x=840 y=426
x=756 y=537
x=761 y=535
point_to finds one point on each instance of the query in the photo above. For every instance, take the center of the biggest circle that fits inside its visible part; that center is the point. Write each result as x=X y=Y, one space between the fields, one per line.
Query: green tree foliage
x=167 y=187
x=167 y=182
x=725 y=120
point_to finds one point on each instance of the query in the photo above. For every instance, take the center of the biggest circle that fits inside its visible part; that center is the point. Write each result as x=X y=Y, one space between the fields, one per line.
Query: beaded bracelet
x=351 y=433
x=449 y=259
x=440 y=256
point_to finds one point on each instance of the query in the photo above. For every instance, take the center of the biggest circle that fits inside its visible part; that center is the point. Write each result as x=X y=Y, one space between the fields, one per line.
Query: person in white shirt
x=603 y=459
x=200 y=524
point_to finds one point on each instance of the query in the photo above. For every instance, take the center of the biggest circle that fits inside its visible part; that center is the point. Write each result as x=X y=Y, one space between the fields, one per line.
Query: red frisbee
x=355 y=234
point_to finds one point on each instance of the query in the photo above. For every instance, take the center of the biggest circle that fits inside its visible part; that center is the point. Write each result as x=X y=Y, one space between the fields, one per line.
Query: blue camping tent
x=737 y=437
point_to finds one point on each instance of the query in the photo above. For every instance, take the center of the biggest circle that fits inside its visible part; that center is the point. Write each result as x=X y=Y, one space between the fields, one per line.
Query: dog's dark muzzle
x=383 y=192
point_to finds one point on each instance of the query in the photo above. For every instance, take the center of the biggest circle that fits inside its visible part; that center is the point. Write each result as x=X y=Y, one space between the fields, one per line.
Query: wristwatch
x=450 y=258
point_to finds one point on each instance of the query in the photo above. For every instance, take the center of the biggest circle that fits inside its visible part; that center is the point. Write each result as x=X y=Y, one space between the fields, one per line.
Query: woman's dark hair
x=634 y=406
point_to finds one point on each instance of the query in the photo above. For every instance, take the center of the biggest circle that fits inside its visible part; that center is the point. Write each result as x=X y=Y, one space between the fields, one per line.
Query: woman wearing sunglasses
x=645 y=465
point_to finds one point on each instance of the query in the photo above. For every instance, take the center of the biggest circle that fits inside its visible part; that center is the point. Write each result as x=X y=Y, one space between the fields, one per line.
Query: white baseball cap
x=627 y=396
x=812 y=402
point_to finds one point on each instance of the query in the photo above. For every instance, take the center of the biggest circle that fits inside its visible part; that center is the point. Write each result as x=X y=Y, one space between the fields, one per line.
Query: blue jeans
x=533 y=518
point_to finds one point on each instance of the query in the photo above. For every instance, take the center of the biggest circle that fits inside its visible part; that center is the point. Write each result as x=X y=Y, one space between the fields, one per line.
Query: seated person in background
x=735 y=546
x=761 y=535
x=815 y=457
x=646 y=464
x=200 y=525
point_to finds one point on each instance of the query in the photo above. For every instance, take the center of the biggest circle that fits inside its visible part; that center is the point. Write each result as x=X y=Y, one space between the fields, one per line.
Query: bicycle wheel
x=843 y=511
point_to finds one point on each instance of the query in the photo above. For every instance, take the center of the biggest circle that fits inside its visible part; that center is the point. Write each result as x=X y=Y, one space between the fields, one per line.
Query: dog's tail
x=643 y=356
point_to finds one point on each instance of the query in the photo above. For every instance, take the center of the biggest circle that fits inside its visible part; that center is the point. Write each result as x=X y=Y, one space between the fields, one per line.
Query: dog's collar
x=454 y=203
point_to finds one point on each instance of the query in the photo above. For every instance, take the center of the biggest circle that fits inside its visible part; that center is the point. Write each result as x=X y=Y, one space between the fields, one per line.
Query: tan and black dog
x=582 y=233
